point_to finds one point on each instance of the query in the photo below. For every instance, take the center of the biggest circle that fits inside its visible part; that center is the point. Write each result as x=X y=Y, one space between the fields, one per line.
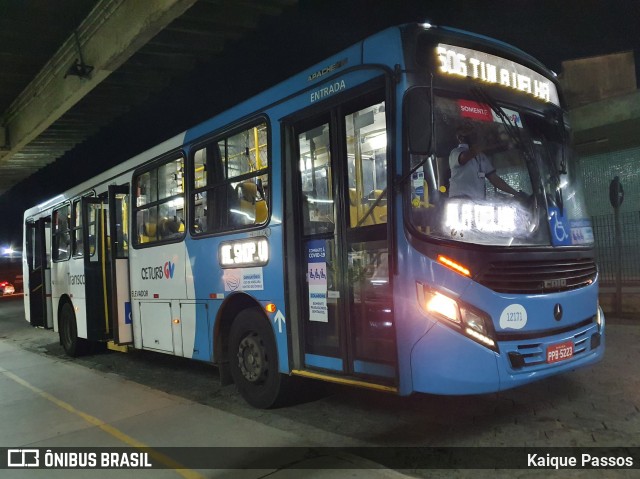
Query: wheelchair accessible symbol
x=127 y=313
x=559 y=228
x=314 y=274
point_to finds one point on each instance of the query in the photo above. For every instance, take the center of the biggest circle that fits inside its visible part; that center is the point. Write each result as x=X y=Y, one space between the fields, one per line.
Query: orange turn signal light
x=270 y=308
x=457 y=267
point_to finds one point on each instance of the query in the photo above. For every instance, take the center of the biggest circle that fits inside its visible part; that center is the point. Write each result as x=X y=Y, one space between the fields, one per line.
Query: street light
x=10 y=252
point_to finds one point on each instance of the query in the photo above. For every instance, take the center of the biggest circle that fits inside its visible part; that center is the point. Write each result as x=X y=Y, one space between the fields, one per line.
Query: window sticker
x=560 y=228
x=475 y=111
x=243 y=279
x=581 y=231
x=317 y=280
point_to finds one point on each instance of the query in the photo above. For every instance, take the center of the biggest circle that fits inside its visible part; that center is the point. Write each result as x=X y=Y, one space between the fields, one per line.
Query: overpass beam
x=112 y=32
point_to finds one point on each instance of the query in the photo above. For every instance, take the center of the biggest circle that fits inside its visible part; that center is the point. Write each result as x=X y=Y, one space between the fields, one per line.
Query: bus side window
x=366 y=137
x=200 y=213
x=92 y=226
x=147 y=225
x=159 y=203
x=316 y=172
x=61 y=234
x=122 y=225
x=170 y=224
x=77 y=245
x=229 y=181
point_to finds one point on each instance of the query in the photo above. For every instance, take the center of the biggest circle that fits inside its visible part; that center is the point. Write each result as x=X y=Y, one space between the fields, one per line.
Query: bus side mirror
x=417 y=120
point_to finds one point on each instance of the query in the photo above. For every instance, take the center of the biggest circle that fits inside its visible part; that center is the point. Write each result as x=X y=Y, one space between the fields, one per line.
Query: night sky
x=551 y=30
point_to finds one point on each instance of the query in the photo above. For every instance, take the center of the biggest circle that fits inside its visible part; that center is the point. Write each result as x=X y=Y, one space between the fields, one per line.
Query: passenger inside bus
x=170 y=227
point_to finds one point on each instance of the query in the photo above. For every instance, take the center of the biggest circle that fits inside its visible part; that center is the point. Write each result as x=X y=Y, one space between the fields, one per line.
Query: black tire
x=68 y=330
x=253 y=361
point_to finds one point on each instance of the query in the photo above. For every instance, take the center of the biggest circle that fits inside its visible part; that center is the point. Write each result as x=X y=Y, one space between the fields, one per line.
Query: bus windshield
x=498 y=176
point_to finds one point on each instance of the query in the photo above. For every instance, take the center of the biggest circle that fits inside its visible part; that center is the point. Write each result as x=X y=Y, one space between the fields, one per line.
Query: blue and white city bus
x=317 y=230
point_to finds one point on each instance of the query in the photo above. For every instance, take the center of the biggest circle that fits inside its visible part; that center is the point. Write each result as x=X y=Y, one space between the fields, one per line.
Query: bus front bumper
x=446 y=362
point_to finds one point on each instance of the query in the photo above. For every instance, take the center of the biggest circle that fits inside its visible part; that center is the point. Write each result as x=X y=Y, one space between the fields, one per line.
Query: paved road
x=598 y=406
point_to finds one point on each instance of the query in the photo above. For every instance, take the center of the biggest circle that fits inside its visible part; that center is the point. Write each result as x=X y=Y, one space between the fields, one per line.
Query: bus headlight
x=443 y=306
x=474 y=321
x=465 y=319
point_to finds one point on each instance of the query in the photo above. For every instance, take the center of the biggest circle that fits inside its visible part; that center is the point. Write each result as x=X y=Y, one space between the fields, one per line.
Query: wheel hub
x=251 y=358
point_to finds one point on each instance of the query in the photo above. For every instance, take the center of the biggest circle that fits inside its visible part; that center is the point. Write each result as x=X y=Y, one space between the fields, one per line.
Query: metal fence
x=597 y=172
x=604 y=230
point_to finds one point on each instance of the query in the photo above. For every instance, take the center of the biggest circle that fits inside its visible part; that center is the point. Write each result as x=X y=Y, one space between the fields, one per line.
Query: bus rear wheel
x=253 y=361
x=68 y=330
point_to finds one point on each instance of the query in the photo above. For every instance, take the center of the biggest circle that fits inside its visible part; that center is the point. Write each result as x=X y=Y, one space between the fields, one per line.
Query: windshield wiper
x=557 y=117
x=555 y=173
x=525 y=146
x=510 y=127
x=563 y=163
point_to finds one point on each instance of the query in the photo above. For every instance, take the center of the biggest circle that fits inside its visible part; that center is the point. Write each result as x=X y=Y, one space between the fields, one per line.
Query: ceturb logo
x=158 y=272
x=169 y=268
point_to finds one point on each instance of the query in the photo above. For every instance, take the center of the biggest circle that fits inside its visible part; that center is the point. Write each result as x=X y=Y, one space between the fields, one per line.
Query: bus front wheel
x=253 y=360
x=72 y=344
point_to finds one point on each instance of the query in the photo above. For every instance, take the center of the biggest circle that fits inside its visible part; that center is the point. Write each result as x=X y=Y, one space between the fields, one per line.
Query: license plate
x=559 y=352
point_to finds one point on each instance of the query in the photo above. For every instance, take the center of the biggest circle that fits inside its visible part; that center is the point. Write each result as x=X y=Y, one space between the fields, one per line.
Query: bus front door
x=345 y=301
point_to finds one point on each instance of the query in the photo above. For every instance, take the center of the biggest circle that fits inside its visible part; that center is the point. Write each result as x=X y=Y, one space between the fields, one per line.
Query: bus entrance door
x=106 y=247
x=346 y=305
x=96 y=271
x=39 y=280
x=120 y=299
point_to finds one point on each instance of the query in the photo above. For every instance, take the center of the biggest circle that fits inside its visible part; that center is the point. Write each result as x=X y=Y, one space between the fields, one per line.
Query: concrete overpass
x=70 y=69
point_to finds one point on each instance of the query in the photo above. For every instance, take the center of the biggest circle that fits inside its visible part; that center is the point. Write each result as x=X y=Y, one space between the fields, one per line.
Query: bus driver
x=470 y=166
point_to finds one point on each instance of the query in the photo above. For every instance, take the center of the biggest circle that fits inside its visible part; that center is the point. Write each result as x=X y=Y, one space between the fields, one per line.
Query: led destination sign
x=483 y=67
x=244 y=253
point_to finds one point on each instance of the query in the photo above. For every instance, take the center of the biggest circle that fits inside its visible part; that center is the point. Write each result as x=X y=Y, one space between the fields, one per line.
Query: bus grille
x=531 y=354
x=531 y=277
